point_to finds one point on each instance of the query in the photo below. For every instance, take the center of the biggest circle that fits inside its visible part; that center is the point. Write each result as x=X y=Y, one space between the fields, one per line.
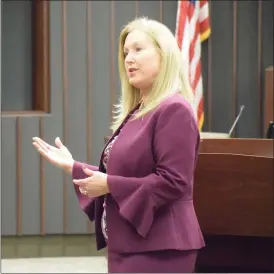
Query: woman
x=141 y=194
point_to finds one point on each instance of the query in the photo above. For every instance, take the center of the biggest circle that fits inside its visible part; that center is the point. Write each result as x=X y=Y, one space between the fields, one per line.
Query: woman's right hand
x=58 y=156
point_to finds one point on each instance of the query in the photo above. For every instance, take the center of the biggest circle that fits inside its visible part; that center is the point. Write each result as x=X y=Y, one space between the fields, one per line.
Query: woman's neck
x=142 y=102
x=143 y=95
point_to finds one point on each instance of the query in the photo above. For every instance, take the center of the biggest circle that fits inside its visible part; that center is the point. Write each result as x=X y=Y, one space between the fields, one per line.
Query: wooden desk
x=233 y=197
x=268 y=101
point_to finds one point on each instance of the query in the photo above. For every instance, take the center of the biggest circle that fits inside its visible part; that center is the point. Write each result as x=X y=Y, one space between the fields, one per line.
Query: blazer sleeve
x=175 y=148
x=87 y=204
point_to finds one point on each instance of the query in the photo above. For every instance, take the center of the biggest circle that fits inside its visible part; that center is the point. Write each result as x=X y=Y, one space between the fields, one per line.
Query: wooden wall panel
x=18 y=176
x=150 y=9
x=124 y=11
x=30 y=185
x=89 y=124
x=53 y=186
x=76 y=113
x=247 y=80
x=206 y=60
x=268 y=104
x=101 y=68
x=168 y=8
x=84 y=84
x=8 y=176
x=53 y=126
x=267 y=44
x=237 y=53
x=221 y=65
x=41 y=58
x=65 y=105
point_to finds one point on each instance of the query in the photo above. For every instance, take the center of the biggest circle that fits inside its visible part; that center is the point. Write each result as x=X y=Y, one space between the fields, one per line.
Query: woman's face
x=142 y=60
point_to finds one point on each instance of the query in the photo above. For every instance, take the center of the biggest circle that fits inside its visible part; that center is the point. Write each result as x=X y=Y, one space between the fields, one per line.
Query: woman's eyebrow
x=132 y=45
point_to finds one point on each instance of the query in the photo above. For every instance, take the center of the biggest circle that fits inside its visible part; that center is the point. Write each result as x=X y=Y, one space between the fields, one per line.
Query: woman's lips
x=131 y=71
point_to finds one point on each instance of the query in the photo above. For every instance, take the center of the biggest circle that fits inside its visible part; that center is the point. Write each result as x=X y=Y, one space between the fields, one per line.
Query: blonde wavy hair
x=171 y=78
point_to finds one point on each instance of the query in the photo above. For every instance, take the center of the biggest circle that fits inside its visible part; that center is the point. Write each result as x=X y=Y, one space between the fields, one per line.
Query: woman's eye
x=138 y=49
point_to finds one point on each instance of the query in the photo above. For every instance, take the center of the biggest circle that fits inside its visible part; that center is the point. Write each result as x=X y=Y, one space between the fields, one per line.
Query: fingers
x=39 y=141
x=83 y=191
x=81 y=183
x=87 y=171
x=42 y=144
x=58 y=143
x=85 y=180
x=39 y=147
x=39 y=144
x=42 y=151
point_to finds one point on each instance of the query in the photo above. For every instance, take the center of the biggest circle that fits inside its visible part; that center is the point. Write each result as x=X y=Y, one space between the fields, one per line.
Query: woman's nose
x=129 y=58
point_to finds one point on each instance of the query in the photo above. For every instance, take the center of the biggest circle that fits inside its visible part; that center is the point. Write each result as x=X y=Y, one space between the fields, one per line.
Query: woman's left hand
x=93 y=186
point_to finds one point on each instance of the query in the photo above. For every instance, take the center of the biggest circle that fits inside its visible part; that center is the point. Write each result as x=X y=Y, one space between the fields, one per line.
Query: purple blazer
x=150 y=177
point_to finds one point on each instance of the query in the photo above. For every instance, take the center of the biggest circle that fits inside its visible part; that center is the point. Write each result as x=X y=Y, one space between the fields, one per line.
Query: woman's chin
x=134 y=82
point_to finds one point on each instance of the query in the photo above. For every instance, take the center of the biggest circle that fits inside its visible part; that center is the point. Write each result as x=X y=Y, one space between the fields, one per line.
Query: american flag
x=192 y=28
